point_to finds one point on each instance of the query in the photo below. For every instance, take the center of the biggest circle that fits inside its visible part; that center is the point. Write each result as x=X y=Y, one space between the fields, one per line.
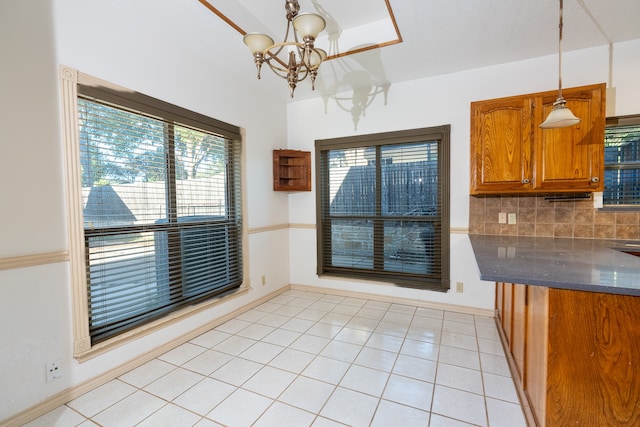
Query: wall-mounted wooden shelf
x=291 y=170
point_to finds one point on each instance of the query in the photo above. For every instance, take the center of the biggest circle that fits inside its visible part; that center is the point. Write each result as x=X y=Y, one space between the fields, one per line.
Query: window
x=160 y=193
x=622 y=162
x=383 y=207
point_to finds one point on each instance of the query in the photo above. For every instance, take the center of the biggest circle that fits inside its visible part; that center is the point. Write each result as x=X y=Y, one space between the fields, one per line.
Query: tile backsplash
x=536 y=216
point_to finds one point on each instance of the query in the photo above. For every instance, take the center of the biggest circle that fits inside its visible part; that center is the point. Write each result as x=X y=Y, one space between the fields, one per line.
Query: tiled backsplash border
x=536 y=216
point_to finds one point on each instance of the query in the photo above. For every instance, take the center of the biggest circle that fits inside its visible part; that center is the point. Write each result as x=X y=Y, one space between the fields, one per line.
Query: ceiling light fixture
x=303 y=58
x=560 y=115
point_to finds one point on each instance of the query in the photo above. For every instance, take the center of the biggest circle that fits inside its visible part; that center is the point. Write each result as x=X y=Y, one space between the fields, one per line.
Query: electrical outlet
x=263 y=280
x=53 y=371
x=502 y=218
x=459 y=287
x=511 y=218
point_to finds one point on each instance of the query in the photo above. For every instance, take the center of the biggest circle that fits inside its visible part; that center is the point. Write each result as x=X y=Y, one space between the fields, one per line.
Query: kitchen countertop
x=578 y=264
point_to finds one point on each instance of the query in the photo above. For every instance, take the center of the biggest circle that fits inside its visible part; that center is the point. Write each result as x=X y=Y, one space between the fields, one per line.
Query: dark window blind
x=622 y=165
x=162 y=215
x=383 y=209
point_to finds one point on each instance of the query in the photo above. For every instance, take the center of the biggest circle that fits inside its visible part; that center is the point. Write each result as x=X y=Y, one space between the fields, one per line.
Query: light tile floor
x=312 y=359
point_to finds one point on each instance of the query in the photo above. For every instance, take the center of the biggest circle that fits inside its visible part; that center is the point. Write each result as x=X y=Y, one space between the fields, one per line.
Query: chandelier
x=301 y=58
x=560 y=115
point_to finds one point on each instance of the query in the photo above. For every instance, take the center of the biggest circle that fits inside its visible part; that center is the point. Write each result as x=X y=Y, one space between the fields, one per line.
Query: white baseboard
x=406 y=301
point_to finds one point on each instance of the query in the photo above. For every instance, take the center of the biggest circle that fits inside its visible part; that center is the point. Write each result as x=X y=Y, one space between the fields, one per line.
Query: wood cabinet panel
x=499 y=300
x=594 y=359
x=501 y=144
x=535 y=384
x=511 y=154
x=518 y=328
x=570 y=158
x=507 y=311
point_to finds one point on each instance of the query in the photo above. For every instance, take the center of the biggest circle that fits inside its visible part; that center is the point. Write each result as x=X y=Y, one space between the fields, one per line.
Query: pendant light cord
x=560 y=53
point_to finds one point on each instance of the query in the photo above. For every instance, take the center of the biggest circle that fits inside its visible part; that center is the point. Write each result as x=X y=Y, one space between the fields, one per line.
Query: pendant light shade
x=309 y=25
x=258 y=43
x=316 y=57
x=560 y=116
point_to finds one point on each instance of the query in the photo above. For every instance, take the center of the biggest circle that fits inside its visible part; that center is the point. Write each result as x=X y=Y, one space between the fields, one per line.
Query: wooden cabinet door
x=518 y=328
x=501 y=145
x=499 y=300
x=507 y=315
x=594 y=348
x=536 y=347
x=571 y=158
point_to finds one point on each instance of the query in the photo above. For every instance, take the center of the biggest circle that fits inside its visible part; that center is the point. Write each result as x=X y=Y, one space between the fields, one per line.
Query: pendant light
x=560 y=115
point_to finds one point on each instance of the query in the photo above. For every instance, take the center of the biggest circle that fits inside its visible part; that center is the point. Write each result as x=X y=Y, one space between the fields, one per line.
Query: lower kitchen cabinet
x=510 y=300
x=518 y=329
x=574 y=355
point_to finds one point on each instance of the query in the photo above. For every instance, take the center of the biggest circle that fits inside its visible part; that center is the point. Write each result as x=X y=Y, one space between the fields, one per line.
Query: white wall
x=445 y=100
x=35 y=307
x=112 y=41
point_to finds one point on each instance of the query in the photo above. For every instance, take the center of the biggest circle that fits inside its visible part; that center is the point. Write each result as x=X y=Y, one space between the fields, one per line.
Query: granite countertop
x=592 y=265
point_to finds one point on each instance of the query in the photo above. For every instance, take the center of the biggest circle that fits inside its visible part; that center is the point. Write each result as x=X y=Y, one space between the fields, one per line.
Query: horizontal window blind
x=383 y=211
x=622 y=165
x=149 y=106
x=162 y=215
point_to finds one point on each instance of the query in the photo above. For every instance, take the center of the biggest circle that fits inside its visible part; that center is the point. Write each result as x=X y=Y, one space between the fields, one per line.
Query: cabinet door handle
x=526 y=181
x=595 y=179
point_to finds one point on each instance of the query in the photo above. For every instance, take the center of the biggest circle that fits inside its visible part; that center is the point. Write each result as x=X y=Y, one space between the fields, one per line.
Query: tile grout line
x=400 y=321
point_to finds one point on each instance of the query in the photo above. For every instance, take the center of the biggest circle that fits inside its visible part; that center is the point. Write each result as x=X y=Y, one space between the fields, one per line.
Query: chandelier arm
x=295 y=34
x=269 y=56
x=282 y=72
x=304 y=71
x=279 y=46
x=284 y=43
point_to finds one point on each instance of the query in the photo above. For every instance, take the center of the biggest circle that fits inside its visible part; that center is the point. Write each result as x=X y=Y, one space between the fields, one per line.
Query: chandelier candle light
x=303 y=58
x=560 y=116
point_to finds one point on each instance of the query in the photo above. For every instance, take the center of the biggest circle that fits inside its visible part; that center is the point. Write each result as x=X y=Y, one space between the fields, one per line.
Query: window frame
x=72 y=82
x=441 y=134
x=614 y=122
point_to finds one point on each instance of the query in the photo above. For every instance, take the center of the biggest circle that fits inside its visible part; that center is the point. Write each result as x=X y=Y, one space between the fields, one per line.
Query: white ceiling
x=437 y=36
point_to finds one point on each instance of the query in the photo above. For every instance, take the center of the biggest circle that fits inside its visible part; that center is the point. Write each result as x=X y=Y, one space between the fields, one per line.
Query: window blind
x=383 y=209
x=622 y=165
x=162 y=215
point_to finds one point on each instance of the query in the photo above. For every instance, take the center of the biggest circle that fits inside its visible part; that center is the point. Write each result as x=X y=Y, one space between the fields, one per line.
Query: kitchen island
x=568 y=311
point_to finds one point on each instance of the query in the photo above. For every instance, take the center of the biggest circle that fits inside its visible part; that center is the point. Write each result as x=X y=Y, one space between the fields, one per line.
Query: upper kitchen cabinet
x=501 y=137
x=510 y=154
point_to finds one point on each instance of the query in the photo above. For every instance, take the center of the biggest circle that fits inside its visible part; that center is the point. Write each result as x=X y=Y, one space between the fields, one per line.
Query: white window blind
x=383 y=207
x=162 y=214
